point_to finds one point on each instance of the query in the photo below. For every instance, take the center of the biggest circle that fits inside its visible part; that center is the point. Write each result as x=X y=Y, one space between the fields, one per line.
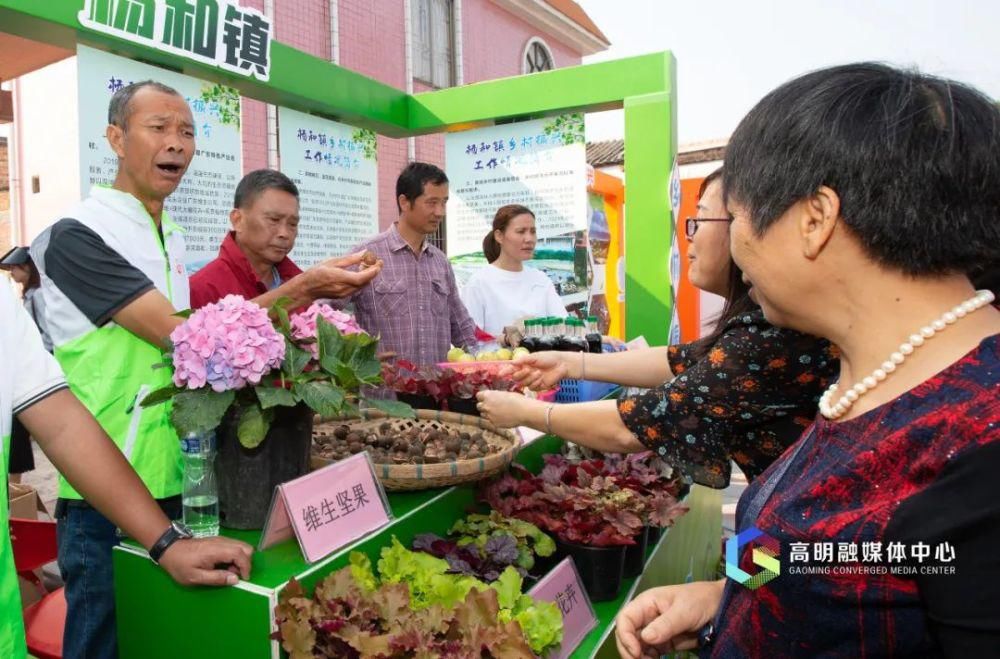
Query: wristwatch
x=706 y=635
x=176 y=531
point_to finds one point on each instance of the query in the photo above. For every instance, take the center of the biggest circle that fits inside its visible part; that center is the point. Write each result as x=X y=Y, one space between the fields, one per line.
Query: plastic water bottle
x=200 y=496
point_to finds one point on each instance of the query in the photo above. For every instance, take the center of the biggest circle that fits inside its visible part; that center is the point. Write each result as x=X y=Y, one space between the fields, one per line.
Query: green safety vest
x=108 y=368
x=11 y=623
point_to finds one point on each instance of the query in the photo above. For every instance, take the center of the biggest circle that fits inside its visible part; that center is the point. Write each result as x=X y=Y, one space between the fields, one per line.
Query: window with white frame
x=433 y=42
x=537 y=57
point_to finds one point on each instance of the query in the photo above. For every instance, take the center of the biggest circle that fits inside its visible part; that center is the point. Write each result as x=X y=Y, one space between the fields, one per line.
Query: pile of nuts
x=387 y=445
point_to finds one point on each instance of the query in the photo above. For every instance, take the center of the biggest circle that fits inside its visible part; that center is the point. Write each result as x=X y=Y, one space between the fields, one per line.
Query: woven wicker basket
x=401 y=477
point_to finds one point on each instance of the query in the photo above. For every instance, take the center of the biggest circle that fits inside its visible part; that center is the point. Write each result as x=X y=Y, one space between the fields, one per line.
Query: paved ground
x=44 y=478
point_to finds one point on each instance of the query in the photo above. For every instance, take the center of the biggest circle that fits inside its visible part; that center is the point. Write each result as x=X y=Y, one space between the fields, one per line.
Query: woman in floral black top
x=747 y=399
x=744 y=393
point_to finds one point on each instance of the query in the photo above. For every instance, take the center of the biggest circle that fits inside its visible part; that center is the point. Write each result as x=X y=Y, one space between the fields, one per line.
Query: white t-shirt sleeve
x=34 y=373
x=473 y=299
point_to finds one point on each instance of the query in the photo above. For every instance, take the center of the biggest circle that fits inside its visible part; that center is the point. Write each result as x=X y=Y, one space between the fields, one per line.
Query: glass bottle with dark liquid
x=575 y=340
x=594 y=339
x=532 y=331
x=547 y=339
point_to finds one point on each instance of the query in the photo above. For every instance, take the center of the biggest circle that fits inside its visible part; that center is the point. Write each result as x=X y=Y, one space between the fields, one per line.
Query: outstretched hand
x=504 y=409
x=667 y=619
x=540 y=371
x=338 y=278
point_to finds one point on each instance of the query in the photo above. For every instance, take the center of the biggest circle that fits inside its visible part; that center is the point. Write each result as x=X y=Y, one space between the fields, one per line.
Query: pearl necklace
x=840 y=408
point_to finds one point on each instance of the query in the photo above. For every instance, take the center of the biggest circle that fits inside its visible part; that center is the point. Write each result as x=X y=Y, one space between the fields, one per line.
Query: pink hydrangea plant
x=304 y=324
x=227 y=345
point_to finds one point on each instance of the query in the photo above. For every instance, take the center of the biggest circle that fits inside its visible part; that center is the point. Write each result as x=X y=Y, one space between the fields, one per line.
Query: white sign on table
x=328 y=508
x=638 y=343
x=562 y=586
x=335 y=168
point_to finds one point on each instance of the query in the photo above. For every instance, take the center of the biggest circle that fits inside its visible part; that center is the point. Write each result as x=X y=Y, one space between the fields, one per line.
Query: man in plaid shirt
x=413 y=304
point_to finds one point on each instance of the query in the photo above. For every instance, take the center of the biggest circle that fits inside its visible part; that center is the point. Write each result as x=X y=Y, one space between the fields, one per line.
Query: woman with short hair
x=861 y=196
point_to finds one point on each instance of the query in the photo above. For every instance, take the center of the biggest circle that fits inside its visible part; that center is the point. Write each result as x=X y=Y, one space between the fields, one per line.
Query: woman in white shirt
x=506 y=290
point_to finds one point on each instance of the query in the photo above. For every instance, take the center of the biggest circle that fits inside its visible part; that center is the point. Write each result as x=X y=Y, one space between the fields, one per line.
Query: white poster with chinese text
x=335 y=168
x=541 y=164
x=202 y=201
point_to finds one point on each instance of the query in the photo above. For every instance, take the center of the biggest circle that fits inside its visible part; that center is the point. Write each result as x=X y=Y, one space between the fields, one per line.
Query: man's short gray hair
x=118 y=108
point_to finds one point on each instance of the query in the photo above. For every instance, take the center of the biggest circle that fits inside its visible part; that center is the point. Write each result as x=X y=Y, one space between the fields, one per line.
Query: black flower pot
x=463 y=406
x=247 y=477
x=635 y=556
x=530 y=581
x=600 y=568
x=544 y=564
x=418 y=401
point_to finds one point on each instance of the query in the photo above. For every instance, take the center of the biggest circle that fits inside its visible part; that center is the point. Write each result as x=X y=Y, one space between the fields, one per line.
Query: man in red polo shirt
x=253 y=261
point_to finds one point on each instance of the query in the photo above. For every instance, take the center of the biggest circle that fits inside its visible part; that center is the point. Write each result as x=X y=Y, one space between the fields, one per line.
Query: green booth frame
x=158 y=618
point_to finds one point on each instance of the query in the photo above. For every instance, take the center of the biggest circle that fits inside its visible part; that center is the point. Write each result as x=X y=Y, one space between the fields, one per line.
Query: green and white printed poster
x=202 y=202
x=335 y=168
x=540 y=164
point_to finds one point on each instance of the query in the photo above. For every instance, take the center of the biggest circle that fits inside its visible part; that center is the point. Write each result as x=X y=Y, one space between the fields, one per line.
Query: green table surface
x=435 y=510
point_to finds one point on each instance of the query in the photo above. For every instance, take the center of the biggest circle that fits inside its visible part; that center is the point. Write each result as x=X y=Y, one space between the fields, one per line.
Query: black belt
x=63 y=505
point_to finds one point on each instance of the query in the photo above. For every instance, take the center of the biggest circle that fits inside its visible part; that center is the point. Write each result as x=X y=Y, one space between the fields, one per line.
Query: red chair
x=34 y=544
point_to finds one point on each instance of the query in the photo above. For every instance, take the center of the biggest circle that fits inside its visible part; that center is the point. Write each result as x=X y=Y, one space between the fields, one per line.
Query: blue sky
x=731 y=52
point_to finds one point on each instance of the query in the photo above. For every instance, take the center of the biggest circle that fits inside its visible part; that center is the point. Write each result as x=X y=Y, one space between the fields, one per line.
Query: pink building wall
x=253 y=120
x=494 y=41
x=373 y=43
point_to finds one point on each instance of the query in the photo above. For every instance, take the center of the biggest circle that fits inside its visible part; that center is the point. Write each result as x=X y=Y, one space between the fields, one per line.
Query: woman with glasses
x=743 y=393
x=862 y=197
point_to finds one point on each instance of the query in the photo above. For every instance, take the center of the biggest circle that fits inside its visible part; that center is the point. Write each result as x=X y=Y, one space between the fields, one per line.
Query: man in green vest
x=113 y=278
x=33 y=388
x=113 y=272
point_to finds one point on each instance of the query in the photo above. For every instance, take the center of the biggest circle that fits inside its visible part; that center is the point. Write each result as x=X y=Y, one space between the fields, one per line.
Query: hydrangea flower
x=304 y=324
x=226 y=345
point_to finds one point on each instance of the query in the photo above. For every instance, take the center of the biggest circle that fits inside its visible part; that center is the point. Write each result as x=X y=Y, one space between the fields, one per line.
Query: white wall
x=46 y=135
x=699 y=169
